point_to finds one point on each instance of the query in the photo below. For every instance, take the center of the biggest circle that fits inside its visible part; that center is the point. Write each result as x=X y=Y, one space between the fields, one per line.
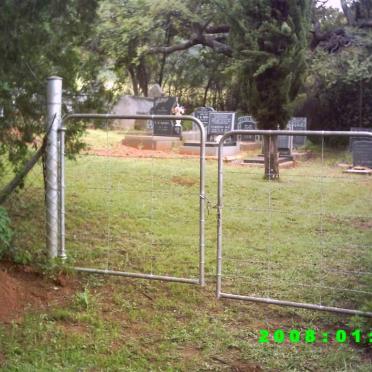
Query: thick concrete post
x=54 y=107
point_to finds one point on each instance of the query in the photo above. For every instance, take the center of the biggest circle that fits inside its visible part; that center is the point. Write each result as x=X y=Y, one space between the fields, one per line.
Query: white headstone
x=155 y=91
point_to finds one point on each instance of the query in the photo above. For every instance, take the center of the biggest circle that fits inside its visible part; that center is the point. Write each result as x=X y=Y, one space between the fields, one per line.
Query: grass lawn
x=306 y=238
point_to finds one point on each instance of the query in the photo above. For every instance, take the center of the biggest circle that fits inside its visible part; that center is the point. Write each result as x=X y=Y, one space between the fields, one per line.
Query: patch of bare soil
x=362 y=223
x=238 y=365
x=358 y=222
x=22 y=288
x=184 y=181
x=120 y=150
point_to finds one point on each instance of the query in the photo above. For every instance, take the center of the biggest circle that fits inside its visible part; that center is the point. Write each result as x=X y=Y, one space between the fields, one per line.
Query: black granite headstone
x=164 y=106
x=362 y=153
x=298 y=124
x=202 y=113
x=220 y=122
x=246 y=123
x=353 y=138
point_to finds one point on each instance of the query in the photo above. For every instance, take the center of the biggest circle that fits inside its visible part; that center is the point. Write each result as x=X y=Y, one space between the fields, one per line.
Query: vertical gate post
x=54 y=108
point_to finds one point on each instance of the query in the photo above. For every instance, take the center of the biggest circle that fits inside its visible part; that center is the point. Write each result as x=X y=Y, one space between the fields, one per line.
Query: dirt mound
x=22 y=287
x=120 y=150
x=10 y=293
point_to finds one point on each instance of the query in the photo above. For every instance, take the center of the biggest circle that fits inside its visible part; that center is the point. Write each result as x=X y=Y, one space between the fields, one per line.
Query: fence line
x=250 y=272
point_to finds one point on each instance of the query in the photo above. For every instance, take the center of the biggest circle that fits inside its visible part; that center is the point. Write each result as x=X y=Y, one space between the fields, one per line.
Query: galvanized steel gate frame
x=55 y=193
x=201 y=279
x=273 y=301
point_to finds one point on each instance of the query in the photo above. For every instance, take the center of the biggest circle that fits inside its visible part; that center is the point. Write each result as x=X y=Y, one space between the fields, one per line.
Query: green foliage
x=339 y=86
x=126 y=31
x=268 y=39
x=38 y=39
x=5 y=232
x=82 y=299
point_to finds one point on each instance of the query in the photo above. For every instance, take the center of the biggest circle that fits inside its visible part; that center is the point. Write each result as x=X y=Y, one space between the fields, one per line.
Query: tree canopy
x=40 y=38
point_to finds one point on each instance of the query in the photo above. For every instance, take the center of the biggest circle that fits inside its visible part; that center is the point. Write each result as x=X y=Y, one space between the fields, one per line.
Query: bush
x=339 y=88
x=5 y=232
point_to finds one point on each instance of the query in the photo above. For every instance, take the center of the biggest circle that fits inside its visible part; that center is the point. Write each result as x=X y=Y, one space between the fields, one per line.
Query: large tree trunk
x=143 y=77
x=206 y=90
x=271 y=157
x=134 y=80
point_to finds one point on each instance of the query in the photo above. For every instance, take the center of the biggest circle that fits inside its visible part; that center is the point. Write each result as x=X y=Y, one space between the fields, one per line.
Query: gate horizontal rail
x=268 y=300
x=202 y=198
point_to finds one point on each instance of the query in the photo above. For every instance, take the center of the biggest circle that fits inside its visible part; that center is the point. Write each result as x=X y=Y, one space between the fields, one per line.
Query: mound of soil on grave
x=23 y=289
x=120 y=150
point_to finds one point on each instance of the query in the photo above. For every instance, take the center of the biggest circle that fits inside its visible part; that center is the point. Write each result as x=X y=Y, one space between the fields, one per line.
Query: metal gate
x=58 y=217
x=151 y=254
x=304 y=241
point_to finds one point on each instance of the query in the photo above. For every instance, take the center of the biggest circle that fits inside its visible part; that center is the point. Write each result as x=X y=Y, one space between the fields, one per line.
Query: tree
x=40 y=38
x=138 y=37
x=358 y=12
x=269 y=42
x=339 y=86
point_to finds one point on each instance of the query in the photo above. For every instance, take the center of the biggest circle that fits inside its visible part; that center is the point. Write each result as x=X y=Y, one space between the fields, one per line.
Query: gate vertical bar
x=219 y=219
x=54 y=106
x=202 y=205
x=61 y=181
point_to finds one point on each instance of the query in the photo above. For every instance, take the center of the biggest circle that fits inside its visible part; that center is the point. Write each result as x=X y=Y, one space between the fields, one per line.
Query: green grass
x=98 y=138
x=292 y=239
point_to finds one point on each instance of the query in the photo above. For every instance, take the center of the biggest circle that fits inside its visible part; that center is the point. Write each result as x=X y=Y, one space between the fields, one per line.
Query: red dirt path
x=21 y=287
x=119 y=150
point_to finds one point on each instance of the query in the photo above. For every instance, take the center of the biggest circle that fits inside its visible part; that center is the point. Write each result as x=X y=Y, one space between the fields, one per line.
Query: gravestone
x=246 y=123
x=285 y=144
x=164 y=106
x=220 y=123
x=362 y=153
x=298 y=124
x=155 y=91
x=131 y=105
x=353 y=139
x=202 y=113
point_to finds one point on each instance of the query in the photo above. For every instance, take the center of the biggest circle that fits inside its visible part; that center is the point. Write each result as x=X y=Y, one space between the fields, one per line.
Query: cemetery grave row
x=219 y=122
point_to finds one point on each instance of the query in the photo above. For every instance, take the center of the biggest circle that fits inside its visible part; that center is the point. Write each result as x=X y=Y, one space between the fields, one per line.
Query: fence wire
x=26 y=209
x=305 y=238
x=132 y=209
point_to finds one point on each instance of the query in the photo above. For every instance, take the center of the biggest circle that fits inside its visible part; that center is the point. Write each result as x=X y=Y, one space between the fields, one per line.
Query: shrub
x=5 y=232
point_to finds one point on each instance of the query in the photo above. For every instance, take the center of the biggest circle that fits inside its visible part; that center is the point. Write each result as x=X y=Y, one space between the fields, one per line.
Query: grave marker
x=298 y=124
x=246 y=123
x=202 y=113
x=353 y=139
x=220 y=123
x=285 y=144
x=164 y=106
x=362 y=153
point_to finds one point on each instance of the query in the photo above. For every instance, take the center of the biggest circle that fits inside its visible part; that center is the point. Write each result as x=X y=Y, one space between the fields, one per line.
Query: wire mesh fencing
x=26 y=209
x=302 y=241
x=133 y=209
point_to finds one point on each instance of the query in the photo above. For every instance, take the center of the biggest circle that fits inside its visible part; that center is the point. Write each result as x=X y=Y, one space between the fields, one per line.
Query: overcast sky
x=334 y=3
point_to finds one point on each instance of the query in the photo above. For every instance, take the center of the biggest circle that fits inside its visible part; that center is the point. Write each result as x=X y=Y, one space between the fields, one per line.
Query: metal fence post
x=54 y=107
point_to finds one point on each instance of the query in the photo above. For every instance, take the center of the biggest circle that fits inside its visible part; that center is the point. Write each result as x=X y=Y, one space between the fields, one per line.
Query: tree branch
x=221 y=29
x=174 y=48
x=203 y=39
x=216 y=45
